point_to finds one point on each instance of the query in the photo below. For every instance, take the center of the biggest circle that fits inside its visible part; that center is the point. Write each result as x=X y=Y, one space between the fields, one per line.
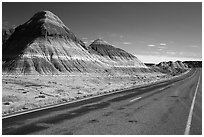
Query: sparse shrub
x=54 y=82
x=79 y=92
x=41 y=96
x=6 y=103
x=25 y=108
x=85 y=96
x=64 y=99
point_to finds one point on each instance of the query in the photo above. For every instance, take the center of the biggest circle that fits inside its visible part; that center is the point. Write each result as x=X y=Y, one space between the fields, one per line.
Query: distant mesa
x=44 y=45
x=171 y=67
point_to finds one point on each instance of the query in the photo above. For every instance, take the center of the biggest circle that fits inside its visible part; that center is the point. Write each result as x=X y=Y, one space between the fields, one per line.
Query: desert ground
x=24 y=92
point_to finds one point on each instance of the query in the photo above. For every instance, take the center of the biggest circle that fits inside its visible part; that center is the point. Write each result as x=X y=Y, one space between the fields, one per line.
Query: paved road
x=171 y=107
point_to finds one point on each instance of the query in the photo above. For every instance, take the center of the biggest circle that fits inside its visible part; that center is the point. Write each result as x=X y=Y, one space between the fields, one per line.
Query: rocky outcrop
x=171 y=67
x=115 y=57
x=44 y=45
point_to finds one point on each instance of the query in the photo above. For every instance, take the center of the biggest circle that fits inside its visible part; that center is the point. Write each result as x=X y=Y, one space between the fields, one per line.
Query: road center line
x=135 y=99
x=188 y=124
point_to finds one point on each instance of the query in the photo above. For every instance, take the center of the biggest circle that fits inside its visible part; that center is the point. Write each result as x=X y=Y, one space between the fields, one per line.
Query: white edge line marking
x=188 y=124
x=163 y=88
x=135 y=99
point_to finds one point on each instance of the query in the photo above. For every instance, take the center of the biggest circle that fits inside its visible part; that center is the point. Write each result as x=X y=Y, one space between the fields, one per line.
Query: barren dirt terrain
x=25 y=92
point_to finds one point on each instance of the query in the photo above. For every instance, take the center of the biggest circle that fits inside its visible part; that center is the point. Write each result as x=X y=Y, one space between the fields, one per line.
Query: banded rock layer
x=172 y=67
x=44 y=45
x=115 y=57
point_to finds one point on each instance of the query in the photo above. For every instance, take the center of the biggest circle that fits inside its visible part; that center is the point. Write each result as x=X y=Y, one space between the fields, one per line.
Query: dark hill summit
x=115 y=57
x=43 y=24
x=105 y=49
x=44 y=45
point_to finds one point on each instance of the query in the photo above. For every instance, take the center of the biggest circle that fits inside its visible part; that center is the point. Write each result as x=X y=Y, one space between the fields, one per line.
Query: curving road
x=170 y=107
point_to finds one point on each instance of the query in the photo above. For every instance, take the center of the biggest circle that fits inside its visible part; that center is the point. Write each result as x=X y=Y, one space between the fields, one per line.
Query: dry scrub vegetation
x=28 y=92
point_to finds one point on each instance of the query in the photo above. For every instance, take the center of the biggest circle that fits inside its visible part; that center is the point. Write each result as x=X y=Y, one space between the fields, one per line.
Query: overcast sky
x=153 y=32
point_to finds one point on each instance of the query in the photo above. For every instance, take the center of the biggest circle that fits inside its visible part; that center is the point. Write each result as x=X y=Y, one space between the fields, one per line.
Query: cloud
x=159 y=58
x=181 y=53
x=151 y=45
x=127 y=43
x=171 y=52
x=193 y=46
x=121 y=36
x=162 y=44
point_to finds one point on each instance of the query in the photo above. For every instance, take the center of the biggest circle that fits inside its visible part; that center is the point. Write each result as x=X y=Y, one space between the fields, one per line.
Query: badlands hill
x=171 y=67
x=44 y=45
x=115 y=57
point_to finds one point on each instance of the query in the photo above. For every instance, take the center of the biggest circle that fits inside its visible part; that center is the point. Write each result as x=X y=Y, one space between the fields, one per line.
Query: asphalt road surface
x=171 y=107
